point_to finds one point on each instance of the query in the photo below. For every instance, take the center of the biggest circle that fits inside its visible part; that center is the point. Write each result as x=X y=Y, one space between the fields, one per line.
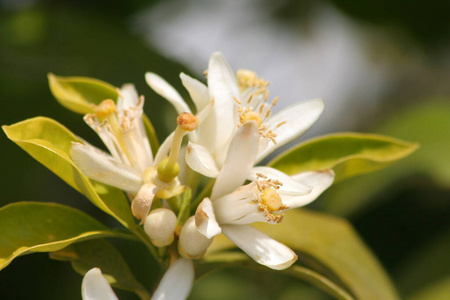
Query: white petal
x=95 y=286
x=198 y=91
x=223 y=87
x=130 y=97
x=319 y=181
x=260 y=247
x=240 y=159
x=164 y=89
x=176 y=284
x=289 y=185
x=200 y=160
x=164 y=149
x=98 y=165
x=205 y=220
x=299 y=118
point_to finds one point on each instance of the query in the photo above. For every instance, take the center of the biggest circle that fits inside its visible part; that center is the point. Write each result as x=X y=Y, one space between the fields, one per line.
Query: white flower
x=237 y=99
x=176 y=283
x=130 y=166
x=233 y=206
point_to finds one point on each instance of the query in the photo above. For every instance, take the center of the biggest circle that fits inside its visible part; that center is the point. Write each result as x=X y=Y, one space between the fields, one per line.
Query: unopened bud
x=143 y=201
x=192 y=244
x=160 y=226
x=187 y=121
x=105 y=108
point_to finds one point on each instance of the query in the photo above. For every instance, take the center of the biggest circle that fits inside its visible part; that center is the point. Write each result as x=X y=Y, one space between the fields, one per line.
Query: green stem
x=206 y=190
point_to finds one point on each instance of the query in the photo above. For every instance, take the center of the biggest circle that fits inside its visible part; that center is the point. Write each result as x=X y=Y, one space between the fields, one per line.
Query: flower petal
x=260 y=247
x=319 y=181
x=128 y=97
x=289 y=184
x=223 y=87
x=198 y=91
x=200 y=160
x=95 y=286
x=298 y=117
x=205 y=220
x=176 y=284
x=100 y=166
x=164 y=89
x=240 y=159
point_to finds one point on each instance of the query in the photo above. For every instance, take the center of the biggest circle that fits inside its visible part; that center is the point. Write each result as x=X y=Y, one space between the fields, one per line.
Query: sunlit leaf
x=334 y=243
x=28 y=227
x=79 y=93
x=330 y=246
x=49 y=142
x=101 y=254
x=428 y=124
x=348 y=154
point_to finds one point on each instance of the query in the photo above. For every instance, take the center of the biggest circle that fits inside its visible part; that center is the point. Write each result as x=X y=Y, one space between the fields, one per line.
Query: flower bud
x=143 y=201
x=160 y=226
x=192 y=244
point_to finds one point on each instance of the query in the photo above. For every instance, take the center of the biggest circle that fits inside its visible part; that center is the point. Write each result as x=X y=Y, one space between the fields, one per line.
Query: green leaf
x=334 y=243
x=330 y=247
x=43 y=227
x=348 y=154
x=151 y=134
x=426 y=123
x=437 y=291
x=101 y=254
x=318 y=280
x=219 y=260
x=49 y=142
x=79 y=93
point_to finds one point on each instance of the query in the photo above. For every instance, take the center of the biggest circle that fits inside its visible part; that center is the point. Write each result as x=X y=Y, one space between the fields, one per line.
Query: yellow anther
x=251 y=116
x=272 y=200
x=245 y=78
x=105 y=108
x=187 y=121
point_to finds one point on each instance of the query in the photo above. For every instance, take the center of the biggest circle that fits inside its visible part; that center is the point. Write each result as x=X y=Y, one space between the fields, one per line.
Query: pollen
x=247 y=79
x=187 y=121
x=105 y=108
x=272 y=200
x=251 y=115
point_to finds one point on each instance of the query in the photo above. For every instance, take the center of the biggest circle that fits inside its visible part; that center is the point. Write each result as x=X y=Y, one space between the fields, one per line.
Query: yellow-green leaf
x=333 y=242
x=330 y=246
x=49 y=142
x=348 y=154
x=79 y=93
x=101 y=254
x=28 y=227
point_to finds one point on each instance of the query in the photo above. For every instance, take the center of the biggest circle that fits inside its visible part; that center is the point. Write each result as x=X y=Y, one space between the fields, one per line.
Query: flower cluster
x=231 y=130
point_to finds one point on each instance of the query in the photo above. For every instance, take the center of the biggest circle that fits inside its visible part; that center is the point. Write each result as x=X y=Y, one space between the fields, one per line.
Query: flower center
x=272 y=200
x=251 y=115
x=248 y=79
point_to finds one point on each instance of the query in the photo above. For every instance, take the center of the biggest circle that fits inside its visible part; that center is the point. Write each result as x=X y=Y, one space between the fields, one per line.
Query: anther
x=105 y=108
x=187 y=121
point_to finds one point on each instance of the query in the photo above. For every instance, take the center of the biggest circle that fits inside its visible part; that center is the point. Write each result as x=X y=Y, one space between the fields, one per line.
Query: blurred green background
x=402 y=212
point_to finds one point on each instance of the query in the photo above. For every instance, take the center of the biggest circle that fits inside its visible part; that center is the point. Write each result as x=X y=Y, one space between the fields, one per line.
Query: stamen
x=105 y=108
x=237 y=101
x=281 y=123
x=168 y=169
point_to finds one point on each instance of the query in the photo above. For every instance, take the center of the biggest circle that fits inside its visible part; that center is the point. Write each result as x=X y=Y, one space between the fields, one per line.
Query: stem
x=206 y=190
